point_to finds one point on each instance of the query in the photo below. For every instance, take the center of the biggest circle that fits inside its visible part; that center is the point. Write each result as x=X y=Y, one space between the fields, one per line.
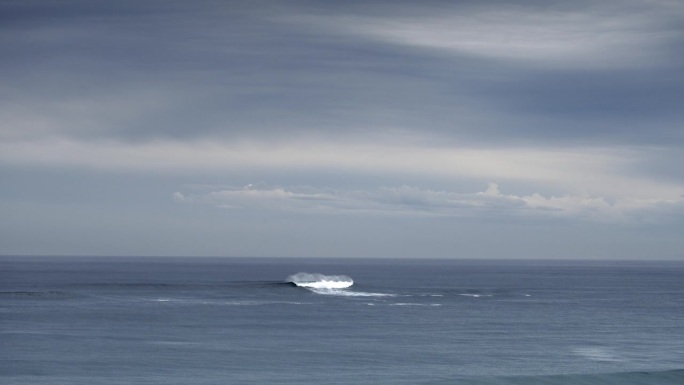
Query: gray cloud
x=270 y=70
x=572 y=107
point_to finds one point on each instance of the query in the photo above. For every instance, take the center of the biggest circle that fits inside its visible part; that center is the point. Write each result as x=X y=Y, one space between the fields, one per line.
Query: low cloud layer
x=408 y=200
x=592 y=171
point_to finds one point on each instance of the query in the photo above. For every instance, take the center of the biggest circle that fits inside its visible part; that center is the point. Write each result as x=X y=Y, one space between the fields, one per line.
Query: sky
x=431 y=129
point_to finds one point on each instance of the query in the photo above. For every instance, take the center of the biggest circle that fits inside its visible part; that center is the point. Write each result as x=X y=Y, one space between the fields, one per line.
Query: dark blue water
x=234 y=321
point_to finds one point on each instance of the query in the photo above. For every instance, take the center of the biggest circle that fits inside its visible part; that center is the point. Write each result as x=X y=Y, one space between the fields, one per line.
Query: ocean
x=105 y=320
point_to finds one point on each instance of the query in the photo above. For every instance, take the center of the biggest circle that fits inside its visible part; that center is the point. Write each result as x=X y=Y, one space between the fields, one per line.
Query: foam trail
x=320 y=281
x=348 y=293
x=476 y=295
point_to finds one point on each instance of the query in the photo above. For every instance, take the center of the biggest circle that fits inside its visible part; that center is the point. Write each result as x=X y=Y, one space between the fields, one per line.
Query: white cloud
x=179 y=197
x=593 y=37
x=409 y=200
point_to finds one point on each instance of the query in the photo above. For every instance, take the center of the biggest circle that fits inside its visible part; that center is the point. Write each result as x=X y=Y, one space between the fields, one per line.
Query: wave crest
x=320 y=281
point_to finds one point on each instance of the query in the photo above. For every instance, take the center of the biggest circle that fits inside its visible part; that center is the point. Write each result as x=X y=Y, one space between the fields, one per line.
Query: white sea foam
x=213 y=302
x=476 y=295
x=597 y=354
x=348 y=293
x=253 y=303
x=320 y=281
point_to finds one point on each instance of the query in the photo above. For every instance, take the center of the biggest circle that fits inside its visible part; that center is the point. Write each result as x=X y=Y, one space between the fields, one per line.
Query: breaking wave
x=337 y=285
x=320 y=281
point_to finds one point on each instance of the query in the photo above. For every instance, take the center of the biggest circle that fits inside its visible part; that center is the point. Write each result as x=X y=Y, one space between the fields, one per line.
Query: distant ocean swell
x=48 y=294
x=668 y=377
x=333 y=285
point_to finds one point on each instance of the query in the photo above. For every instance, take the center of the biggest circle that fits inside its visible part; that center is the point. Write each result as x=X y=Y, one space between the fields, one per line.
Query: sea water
x=67 y=320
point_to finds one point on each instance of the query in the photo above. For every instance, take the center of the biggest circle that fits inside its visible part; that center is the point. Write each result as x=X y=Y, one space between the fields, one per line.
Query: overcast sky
x=451 y=129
